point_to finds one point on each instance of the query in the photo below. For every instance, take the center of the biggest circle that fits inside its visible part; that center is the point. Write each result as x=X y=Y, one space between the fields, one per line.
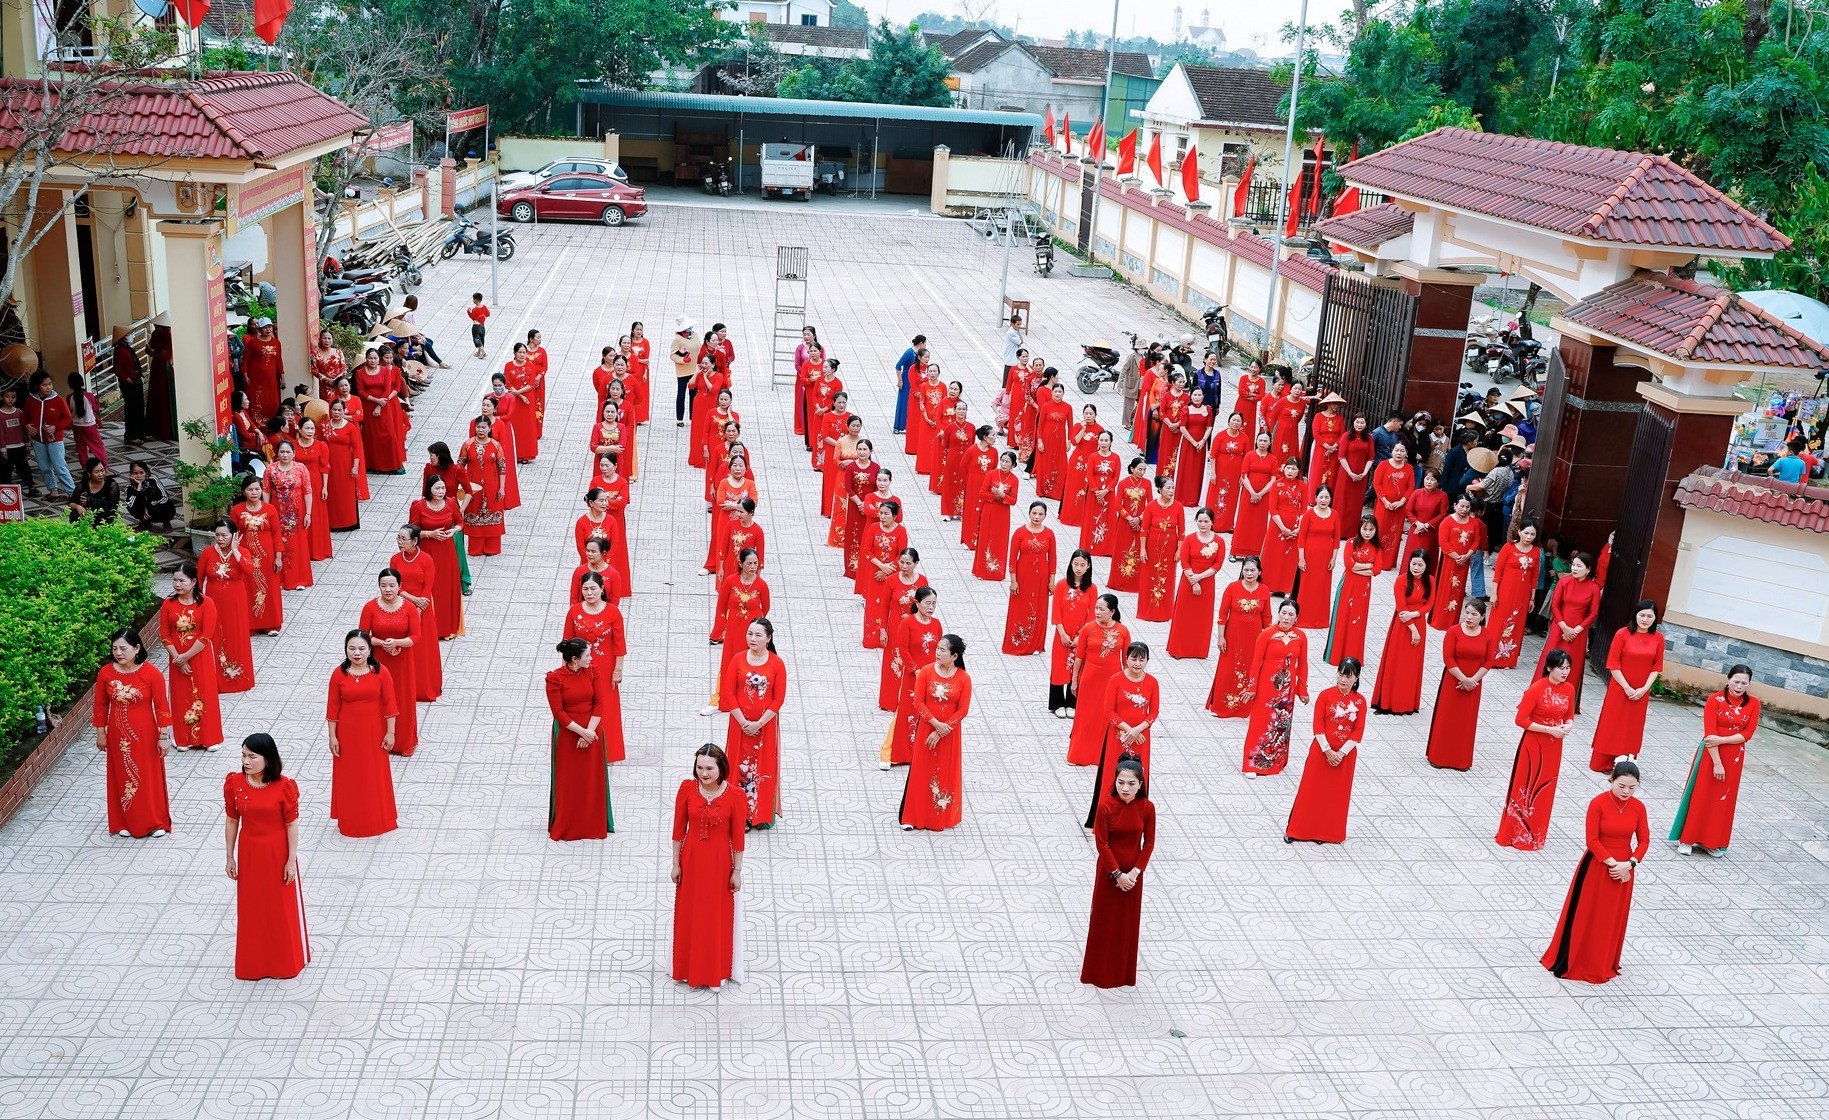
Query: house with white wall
x=800 y=13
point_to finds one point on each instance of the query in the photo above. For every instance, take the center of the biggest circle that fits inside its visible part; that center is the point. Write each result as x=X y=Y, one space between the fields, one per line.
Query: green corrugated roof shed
x=790 y=107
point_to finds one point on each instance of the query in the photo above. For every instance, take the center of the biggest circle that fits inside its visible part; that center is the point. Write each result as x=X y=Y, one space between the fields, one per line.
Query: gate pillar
x=1444 y=304
x=1703 y=428
x=1593 y=444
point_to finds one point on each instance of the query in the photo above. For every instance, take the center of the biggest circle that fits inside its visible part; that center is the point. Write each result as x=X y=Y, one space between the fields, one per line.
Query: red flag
x=1154 y=162
x=1048 y=125
x=1293 y=220
x=1242 y=193
x=1127 y=154
x=1314 y=186
x=1346 y=203
x=1190 y=174
x=1067 y=133
x=1095 y=141
x=192 y=11
x=270 y=17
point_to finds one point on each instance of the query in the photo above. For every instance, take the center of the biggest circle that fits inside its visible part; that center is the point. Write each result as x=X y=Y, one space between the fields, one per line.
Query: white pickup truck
x=788 y=171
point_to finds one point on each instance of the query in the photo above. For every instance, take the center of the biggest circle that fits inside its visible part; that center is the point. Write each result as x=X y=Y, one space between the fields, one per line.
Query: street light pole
x=1282 y=209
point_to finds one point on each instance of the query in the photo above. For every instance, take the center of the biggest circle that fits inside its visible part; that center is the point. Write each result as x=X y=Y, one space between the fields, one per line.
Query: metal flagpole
x=1282 y=209
x=1098 y=157
x=495 y=221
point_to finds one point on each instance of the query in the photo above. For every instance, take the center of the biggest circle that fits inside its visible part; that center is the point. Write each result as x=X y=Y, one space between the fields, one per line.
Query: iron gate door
x=1363 y=347
x=1638 y=517
x=1549 y=423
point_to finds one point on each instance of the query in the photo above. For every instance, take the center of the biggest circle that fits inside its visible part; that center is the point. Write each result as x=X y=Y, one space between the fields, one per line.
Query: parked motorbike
x=1218 y=333
x=1044 y=254
x=1481 y=333
x=1101 y=363
x=1468 y=401
x=724 y=180
x=468 y=238
x=831 y=178
x=352 y=311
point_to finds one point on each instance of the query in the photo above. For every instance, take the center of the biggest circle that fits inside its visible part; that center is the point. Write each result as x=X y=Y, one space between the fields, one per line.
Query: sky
x=1255 y=24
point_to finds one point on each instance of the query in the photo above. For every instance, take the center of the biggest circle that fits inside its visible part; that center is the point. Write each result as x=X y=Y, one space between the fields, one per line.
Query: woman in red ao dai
x=933 y=797
x=132 y=730
x=1133 y=701
x=1030 y=564
x=1634 y=662
x=187 y=626
x=1546 y=713
x=753 y=690
x=1326 y=792
x=1196 y=592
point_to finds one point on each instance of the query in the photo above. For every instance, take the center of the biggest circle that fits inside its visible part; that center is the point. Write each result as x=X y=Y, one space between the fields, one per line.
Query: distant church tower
x=1177 y=23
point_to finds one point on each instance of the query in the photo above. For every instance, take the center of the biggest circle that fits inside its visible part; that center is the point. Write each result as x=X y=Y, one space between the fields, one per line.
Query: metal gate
x=1084 y=241
x=1536 y=496
x=1638 y=516
x=1363 y=350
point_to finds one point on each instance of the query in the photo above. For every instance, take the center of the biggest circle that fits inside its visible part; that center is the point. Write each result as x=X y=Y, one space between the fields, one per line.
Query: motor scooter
x=1218 y=333
x=1044 y=254
x=1101 y=363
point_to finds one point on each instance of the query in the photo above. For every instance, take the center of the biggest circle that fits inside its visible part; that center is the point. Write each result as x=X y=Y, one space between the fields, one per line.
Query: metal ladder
x=791 y=266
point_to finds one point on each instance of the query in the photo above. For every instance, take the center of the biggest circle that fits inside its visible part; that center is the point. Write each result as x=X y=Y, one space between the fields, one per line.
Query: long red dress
x=931 y=403
x=1279 y=677
x=755 y=760
x=957 y=439
x=521 y=377
x=502 y=432
x=403 y=623
x=290 y=496
x=1515 y=579
x=271 y=941
x=1102 y=475
x=1705 y=816
x=484 y=521
x=316 y=457
x=729 y=492
x=131 y=706
x=1621 y=729
x=1391 y=482
x=448 y=584
x=1456 y=719
x=263 y=370
x=195 y=709
x=1191 y=462
x=1352 y=603
x=1349 y=493
x=1100 y=651
x=1316 y=541
x=1279 y=552
x=978 y=466
x=882 y=545
x=419 y=578
x=1052 y=449
x=1287 y=411
x=226 y=580
x=1163 y=527
x=1424 y=511
x=1130 y=500
x=609 y=641
x=578 y=797
x=933 y=798
x=1525 y=821
x=541 y=363
x=1325 y=794
x=889 y=602
x=1591 y=933
x=384 y=422
x=1252 y=526
x=911 y=649
x=1070 y=609
x=1326 y=433
x=344 y=447
x=1575 y=602
x=1132 y=703
x=1244 y=613
x=1191 y=627
x=895 y=657
x=1247 y=402
x=1124 y=833
x=710 y=833
x=998 y=495
x=1399 y=689
x=1085 y=443
x=1031 y=563
x=361 y=781
x=1228 y=454
x=739 y=604
x=859 y=482
x=1454 y=536
x=617 y=490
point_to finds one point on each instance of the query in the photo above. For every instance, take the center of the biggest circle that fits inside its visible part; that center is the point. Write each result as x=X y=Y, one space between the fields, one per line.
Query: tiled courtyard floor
x=466 y=967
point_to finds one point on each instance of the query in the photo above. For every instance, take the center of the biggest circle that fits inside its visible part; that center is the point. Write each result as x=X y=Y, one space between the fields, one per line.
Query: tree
x=70 y=128
x=901 y=70
x=847 y=14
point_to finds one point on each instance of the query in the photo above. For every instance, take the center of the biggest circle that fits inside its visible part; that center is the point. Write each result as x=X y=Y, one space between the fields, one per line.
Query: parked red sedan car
x=593 y=198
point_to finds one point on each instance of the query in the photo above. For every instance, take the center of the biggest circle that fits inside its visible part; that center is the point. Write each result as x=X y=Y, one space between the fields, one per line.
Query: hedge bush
x=64 y=587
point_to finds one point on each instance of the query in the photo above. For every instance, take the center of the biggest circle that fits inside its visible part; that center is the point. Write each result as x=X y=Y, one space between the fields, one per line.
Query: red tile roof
x=1761 y=499
x=1695 y=322
x=1628 y=198
x=1370 y=228
x=249 y=116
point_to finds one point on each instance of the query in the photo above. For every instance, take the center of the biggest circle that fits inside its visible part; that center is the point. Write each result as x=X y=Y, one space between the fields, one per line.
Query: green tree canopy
x=901 y=70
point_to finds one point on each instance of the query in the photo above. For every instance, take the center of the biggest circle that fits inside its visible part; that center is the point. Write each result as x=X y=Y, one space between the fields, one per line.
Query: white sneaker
x=908 y=828
x=709 y=710
x=212 y=748
x=1251 y=773
x=124 y=834
x=158 y=832
x=882 y=766
x=1686 y=849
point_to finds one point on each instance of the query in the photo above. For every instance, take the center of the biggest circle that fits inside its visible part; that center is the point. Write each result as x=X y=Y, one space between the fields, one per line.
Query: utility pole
x=1272 y=337
x=1098 y=158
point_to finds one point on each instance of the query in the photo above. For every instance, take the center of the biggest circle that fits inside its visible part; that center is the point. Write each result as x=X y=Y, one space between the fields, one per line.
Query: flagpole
x=1098 y=166
x=1271 y=336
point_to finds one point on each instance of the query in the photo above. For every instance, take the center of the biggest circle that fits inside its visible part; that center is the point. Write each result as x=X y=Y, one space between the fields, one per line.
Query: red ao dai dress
x=755 y=760
x=1353 y=603
x=1391 y=482
x=1191 y=628
x=131 y=707
x=1257 y=473
x=225 y=579
x=448 y=579
x=503 y=435
x=1279 y=554
x=1085 y=440
x=859 y=483
x=1287 y=411
x=485 y=522
x=1069 y=612
x=384 y=425
x=1031 y=565
x=1102 y=474
x=344 y=448
x=931 y=406
x=1244 y=613
x=933 y=798
x=1247 y=404
x=521 y=378
x=419 y=578
x=1191 y=463
x=402 y=623
x=957 y=439
x=739 y=604
x=1317 y=541
x=710 y=833
x=1326 y=792
x=1100 y=652
x=728 y=493
x=578 y=799
x=1124 y=833
x=889 y=603
x=618 y=492
x=1575 y=602
x=1591 y=933
x=883 y=545
x=1456 y=719
x=608 y=641
x=1455 y=537
x=981 y=462
x=1128 y=502
x=290 y=497
x=1349 y=493
x=1162 y=531
x=1131 y=703
x=1000 y=489
x=271 y=941
x=1525 y=820
x=1228 y=454
x=1399 y=690
x=1280 y=678
x=196 y=711
x=911 y=650
x=361 y=781
x=1515 y=575
x=1621 y=730
x=1425 y=511
x=316 y=458
x=1705 y=816
x=1327 y=431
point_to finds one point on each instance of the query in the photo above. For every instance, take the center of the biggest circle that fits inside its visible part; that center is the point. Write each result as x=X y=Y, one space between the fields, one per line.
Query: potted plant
x=210 y=491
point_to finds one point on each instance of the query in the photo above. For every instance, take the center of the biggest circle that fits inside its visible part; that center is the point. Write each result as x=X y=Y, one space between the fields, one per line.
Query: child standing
x=479 y=315
x=86 y=422
x=47 y=418
x=15 y=455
